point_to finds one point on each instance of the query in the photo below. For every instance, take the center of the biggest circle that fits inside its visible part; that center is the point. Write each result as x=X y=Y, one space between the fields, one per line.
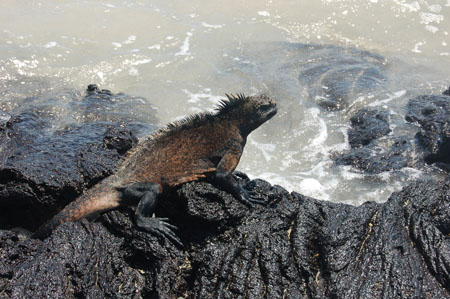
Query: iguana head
x=249 y=111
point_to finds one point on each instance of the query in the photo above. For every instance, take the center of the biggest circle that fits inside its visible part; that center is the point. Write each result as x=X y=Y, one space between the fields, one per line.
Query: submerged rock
x=447 y=92
x=103 y=105
x=337 y=76
x=330 y=76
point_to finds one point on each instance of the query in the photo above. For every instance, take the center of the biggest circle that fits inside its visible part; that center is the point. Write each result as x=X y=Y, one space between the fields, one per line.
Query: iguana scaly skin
x=202 y=145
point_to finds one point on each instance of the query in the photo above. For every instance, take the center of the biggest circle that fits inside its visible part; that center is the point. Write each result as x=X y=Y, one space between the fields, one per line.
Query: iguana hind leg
x=147 y=194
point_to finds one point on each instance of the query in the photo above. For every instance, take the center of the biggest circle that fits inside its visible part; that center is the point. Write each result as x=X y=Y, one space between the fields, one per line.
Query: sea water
x=183 y=56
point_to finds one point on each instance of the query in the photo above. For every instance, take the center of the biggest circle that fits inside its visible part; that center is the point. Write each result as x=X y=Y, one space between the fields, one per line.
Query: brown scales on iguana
x=203 y=145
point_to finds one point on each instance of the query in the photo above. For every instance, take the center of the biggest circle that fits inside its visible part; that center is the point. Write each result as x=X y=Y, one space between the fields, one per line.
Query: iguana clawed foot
x=147 y=194
x=250 y=197
x=159 y=227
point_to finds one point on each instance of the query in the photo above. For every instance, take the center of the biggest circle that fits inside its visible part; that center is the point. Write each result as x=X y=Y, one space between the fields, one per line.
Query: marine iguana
x=202 y=145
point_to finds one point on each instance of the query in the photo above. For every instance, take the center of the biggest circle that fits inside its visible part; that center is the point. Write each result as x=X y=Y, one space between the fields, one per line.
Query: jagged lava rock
x=432 y=113
x=42 y=169
x=372 y=154
x=367 y=125
x=294 y=247
x=393 y=154
x=301 y=247
x=80 y=260
x=42 y=172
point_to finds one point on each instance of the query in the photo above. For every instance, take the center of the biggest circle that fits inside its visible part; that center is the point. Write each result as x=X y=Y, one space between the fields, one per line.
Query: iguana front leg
x=226 y=180
x=147 y=194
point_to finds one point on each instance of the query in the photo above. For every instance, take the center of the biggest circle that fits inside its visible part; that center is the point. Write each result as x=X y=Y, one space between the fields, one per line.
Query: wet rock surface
x=43 y=168
x=322 y=250
x=293 y=247
x=447 y=92
x=103 y=105
x=80 y=260
x=367 y=125
x=432 y=113
x=372 y=152
x=392 y=154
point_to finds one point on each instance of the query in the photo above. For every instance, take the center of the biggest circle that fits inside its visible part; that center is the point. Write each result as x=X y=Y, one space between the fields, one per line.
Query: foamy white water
x=184 y=56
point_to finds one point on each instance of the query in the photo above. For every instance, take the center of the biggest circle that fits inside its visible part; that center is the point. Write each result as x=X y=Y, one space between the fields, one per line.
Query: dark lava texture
x=368 y=125
x=372 y=151
x=295 y=247
x=42 y=169
x=432 y=113
x=369 y=151
x=291 y=247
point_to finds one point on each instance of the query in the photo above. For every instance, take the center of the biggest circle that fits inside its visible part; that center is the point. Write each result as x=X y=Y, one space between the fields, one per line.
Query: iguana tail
x=100 y=198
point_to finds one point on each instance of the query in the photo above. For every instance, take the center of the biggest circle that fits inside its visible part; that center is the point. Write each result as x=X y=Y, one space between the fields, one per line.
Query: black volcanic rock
x=370 y=153
x=79 y=260
x=119 y=138
x=373 y=158
x=432 y=113
x=294 y=246
x=42 y=169
x=431 y=143
x=367 y=125
x=447 y=92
